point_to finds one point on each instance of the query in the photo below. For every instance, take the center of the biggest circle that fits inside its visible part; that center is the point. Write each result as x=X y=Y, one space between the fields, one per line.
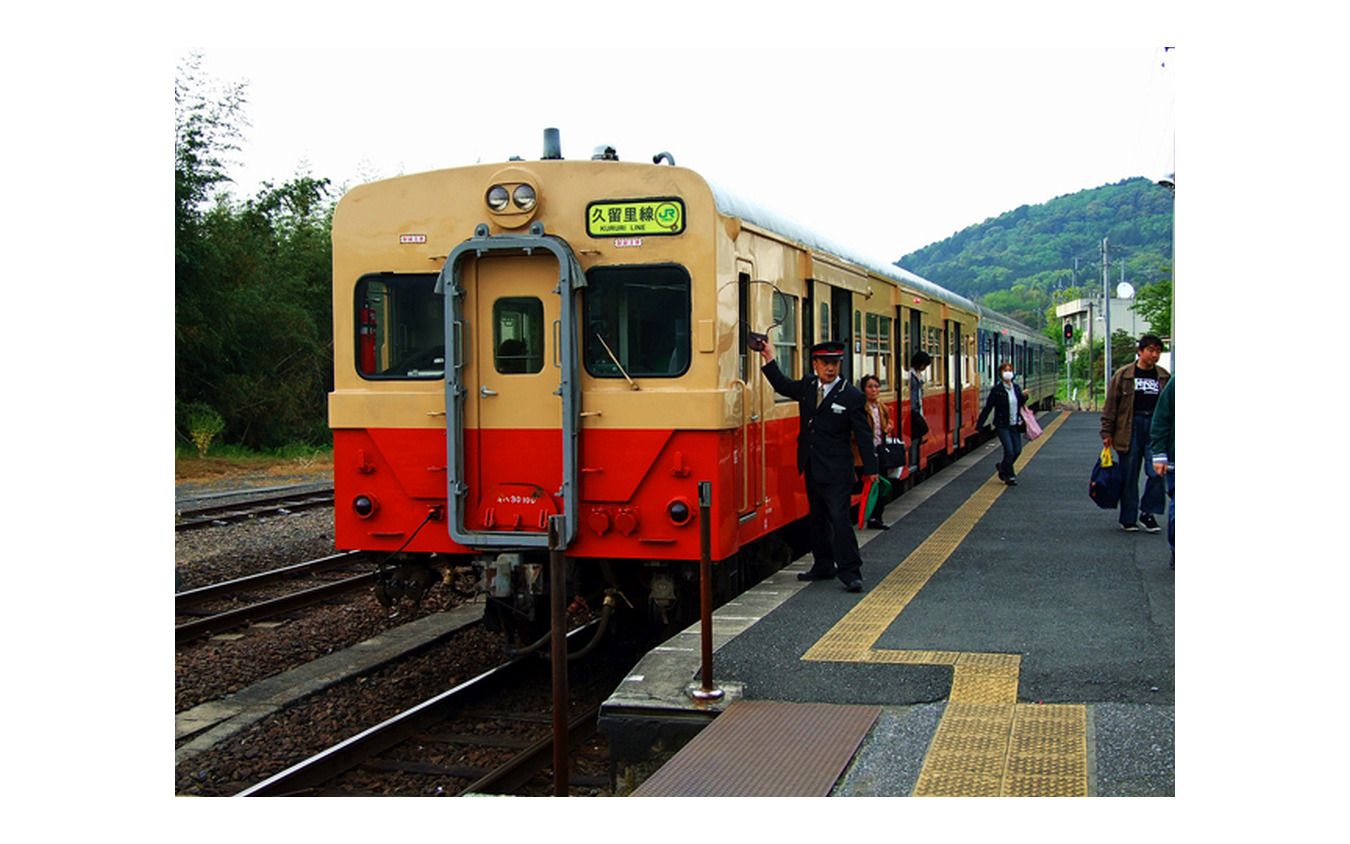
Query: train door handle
x=485 y=392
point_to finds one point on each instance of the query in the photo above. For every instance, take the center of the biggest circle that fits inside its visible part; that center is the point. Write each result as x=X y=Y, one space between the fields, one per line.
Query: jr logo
x=668 y=215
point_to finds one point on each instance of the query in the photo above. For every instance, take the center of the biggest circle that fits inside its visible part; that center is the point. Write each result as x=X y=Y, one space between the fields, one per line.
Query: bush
x=203 y=425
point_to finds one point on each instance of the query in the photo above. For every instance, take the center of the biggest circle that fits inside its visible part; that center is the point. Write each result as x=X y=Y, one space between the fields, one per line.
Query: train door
x=954 y=379
x=842 y=329
x=915 y=344
x=511 y=390
x=749 y=480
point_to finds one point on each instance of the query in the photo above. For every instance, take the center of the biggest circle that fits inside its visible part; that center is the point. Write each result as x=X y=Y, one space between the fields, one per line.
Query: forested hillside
x=1014 y=263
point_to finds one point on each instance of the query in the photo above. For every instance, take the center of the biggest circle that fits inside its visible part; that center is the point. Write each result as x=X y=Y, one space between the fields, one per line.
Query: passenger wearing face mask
x=1005 y=402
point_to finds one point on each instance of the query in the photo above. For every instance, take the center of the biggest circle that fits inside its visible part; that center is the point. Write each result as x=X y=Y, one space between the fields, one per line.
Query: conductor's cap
x=830 y=350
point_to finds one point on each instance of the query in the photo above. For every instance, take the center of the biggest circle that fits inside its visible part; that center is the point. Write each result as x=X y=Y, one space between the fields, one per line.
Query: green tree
x=1154 y=303
x=252 y=281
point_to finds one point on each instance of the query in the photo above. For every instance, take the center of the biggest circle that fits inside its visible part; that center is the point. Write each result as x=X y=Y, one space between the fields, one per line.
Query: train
x=551 y=355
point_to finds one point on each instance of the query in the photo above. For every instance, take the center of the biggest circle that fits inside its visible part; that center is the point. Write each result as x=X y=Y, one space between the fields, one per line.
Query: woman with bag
x=918 y=426
x=882 y=427
x=1005 y=402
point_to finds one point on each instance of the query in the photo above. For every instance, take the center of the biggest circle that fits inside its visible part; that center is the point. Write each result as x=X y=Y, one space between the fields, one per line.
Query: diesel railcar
x=531 y=339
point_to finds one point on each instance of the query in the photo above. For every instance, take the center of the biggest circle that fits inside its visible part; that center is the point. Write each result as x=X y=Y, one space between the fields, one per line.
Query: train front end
x=527 y=344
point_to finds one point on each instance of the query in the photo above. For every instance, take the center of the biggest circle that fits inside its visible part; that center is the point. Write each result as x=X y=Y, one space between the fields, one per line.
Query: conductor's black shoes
x=811 y=575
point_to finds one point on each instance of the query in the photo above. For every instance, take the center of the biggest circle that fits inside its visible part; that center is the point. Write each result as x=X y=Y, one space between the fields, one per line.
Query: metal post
x=557 y=559
x=708 y=691
x=1092 y=395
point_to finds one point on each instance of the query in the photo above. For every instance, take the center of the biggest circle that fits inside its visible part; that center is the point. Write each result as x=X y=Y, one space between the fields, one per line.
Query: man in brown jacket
x=1126 y=426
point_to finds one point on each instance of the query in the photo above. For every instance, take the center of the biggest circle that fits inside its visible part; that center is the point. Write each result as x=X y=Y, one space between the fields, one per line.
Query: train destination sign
x=633 y=217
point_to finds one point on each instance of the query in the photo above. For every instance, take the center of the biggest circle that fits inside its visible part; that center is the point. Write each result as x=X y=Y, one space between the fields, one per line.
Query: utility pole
x=1092 y=394
x=1106 y=309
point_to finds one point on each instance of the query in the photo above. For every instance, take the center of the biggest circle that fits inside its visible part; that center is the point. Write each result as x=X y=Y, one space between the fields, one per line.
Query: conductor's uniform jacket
x=824 y=452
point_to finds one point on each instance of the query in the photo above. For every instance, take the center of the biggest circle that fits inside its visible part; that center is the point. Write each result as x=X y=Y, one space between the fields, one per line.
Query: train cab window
x=636 y=321
x=518 y=335
x=400 y=327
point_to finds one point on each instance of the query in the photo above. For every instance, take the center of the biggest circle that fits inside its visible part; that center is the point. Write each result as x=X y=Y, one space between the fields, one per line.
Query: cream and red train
x=523 y=340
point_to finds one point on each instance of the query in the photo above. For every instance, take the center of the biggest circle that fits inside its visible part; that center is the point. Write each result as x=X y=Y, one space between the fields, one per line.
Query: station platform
x=1009 y=640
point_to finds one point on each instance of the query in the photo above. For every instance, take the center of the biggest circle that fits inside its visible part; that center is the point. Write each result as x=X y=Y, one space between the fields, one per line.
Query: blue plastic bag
x=1108 y=479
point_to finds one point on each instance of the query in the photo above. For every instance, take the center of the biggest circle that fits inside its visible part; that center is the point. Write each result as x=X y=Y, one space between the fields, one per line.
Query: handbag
x=892 y=455
x=918 y=426
x=1108 y=479
x=1033 y=427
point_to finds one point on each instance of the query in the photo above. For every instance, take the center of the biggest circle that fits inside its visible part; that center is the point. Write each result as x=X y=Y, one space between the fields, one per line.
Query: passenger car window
x=400 y=327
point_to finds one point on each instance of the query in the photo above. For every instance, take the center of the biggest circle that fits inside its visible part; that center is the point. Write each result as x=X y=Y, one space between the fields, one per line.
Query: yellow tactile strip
x=987 y=744
x=1007 y=750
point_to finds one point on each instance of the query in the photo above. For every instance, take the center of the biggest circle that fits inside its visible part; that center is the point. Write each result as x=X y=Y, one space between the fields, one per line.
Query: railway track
x=242 y=509
x=192 y=601
x=489 y=735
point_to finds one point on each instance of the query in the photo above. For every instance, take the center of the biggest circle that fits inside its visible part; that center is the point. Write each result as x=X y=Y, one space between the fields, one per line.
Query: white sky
x=883 y=127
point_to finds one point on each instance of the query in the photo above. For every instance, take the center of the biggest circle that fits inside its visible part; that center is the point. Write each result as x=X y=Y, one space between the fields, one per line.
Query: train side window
x=636 y=321
x=400 y=327
x=878 y=349
x=518 y=335
x=933 y=345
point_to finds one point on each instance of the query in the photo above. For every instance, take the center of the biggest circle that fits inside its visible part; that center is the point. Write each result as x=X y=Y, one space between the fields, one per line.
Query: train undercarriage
x=648 y=597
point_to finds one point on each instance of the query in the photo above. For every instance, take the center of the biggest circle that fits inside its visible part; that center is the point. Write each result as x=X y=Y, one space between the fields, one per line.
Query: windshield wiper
x=610 y=352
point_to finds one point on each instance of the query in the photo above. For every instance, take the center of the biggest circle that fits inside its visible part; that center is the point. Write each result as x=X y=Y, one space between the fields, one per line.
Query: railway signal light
x=1068 y=332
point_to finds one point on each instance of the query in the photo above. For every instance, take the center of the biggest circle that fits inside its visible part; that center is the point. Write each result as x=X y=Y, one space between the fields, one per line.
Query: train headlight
x=364 y=506
x=498 y=198
x=513 y=197
x=679 y=511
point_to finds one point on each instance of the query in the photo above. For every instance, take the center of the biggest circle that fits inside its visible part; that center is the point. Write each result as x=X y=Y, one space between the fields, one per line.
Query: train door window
x=808 y=313
x=784 y=336
x=518 y=335
x=636 y=321
x=968 y=371
x=743 y=325
x=824 y=322
x=859 y=347
x=400 y=327
x=906 y=353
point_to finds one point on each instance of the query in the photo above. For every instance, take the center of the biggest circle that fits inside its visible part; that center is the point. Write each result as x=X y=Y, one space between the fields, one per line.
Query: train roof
x=736 y=205
x=1004 y=321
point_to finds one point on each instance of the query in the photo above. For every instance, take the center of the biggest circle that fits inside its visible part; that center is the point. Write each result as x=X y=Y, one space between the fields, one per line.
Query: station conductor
x=831 y=411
